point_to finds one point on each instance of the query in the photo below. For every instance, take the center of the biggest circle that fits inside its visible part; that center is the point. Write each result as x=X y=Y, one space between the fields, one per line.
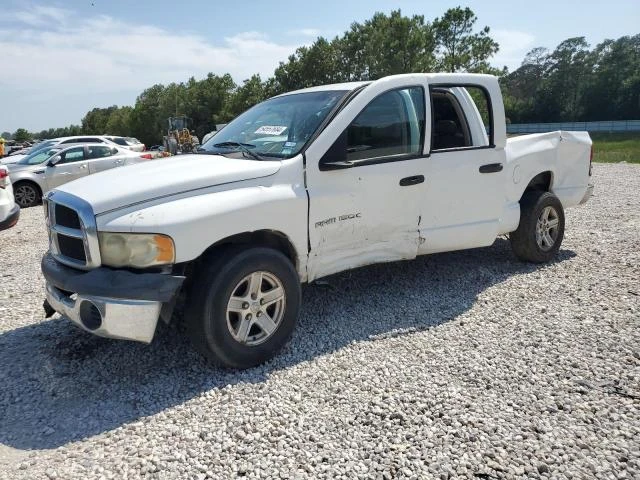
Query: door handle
x=407 y=181
x=491 y=168
x=83 y=166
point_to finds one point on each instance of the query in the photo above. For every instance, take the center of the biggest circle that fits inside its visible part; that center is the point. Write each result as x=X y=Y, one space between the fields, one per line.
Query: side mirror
x=52 y=162
x=336 y=157
x=114 y=151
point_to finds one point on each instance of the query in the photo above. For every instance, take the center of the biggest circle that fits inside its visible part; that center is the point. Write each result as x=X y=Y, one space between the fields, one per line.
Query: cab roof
x=432 y=77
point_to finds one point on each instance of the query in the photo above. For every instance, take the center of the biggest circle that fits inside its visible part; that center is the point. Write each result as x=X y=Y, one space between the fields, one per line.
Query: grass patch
x=616 y=147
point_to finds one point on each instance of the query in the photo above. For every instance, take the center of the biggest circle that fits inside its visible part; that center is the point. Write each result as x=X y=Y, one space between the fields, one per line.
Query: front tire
x=243 y=306
x=541 y=229
x=26 y=194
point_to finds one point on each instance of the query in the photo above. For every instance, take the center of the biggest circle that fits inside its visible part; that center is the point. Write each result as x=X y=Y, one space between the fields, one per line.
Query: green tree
x=21 y=135
x=520 y=88
x=6 y=135
x=206 y=101
x=383 y=45
x=252 y=91
x=314 y=65
x=386 y=45
x=95 y=121
x=145 y=118
x=568 y=74
x=458 y=48
x=118 y=122
x=613 y=92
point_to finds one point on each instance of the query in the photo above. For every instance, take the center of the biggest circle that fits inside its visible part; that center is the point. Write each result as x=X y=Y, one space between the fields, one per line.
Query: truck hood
x=143 y=182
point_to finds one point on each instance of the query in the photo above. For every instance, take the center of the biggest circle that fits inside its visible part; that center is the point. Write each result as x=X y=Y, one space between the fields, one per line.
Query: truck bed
x=566 y=155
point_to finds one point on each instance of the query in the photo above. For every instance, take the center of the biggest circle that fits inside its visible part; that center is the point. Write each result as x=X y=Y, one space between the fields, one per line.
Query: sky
x=60 y=59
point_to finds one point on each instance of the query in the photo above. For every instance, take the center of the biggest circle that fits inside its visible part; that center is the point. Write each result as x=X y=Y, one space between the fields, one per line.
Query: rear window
x=120 y=141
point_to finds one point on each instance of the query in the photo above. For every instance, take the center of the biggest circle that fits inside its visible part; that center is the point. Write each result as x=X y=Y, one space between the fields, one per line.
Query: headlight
x=138 y=250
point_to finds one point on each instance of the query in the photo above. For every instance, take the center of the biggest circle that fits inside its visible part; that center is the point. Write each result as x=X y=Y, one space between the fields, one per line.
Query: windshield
x=41 y=146
x=38 y=157
x=278 y=127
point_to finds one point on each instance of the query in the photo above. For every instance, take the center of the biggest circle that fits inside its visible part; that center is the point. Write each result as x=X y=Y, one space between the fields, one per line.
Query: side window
x=461 y=117
x=99 y=152
x=392 y=124
x=72 y=155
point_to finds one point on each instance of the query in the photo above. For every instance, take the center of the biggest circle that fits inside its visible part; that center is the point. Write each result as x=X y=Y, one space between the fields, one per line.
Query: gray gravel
x=466 y=364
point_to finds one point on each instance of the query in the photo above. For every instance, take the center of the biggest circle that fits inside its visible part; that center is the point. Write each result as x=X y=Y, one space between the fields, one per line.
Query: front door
x=71 y=166
x=365 y=179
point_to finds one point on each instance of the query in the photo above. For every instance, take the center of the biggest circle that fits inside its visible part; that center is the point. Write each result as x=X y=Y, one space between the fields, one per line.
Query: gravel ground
x=466 y=364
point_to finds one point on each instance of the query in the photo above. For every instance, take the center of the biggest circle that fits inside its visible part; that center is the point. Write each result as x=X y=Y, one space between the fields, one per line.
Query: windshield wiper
x=245 y=147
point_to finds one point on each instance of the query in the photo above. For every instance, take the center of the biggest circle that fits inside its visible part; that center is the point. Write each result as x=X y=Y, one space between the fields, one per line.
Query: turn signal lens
x=166 y=253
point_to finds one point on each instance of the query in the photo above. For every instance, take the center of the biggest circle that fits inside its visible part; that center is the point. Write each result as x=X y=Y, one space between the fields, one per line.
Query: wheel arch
x=259 y=238
x=542 y=181
x=29 y=181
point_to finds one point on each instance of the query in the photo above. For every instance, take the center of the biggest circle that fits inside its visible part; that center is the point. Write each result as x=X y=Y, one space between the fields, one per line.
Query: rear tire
x=26 y=194
x=541 y=229
x=243 y=306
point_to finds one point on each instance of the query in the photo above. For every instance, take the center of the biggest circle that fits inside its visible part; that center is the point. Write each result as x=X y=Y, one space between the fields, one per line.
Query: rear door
x=73 y=164
x=465 y=192
x=365 y=179
x=103 y=157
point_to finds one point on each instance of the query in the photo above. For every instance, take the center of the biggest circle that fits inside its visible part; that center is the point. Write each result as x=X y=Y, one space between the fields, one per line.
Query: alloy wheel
x=256 y=308
x=547 y=228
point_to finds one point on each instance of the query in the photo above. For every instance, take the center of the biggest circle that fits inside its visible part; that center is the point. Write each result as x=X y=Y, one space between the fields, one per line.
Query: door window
x=391 y=125
x=99 y=151
x=72 y=155
x=450 y=127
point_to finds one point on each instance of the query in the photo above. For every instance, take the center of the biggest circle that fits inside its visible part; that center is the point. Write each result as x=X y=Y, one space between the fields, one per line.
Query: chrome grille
x=67 y=217
x=73 y=238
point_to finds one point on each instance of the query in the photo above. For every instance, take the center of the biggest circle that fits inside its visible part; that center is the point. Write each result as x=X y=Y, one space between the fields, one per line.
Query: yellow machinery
x=179 y=138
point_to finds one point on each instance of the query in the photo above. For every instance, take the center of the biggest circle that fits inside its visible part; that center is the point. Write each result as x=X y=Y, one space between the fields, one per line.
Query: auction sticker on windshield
x=270 y=130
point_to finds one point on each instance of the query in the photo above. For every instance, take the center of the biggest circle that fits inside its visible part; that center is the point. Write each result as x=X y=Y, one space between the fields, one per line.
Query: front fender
x=28 y=176
x=197 y=222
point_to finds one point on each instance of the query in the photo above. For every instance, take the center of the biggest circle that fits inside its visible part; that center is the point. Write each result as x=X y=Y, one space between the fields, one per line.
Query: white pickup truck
x=301 y=186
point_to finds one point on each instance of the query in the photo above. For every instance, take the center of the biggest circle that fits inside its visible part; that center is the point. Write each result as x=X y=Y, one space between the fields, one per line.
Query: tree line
x=570 y=83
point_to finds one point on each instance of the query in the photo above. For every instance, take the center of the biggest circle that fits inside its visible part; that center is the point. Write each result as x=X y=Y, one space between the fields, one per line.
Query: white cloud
x=305 y=32
x=54 y=52
x=38 y=15
x=513 y=47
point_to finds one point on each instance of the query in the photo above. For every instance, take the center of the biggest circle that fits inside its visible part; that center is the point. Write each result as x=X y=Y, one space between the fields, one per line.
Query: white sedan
x=43 y=170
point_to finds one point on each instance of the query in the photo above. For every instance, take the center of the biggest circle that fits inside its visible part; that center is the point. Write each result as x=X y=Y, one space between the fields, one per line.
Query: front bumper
x=108 y=317
x=107 y=302
x=12 y=218
x=587 y=194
